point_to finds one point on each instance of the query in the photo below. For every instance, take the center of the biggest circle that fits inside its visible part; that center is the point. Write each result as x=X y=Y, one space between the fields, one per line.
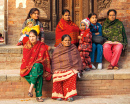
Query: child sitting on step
x=96 y=29
x=31 y=25
x=85 y=44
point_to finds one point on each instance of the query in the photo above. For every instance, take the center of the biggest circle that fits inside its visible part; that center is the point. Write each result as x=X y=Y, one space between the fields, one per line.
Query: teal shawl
x=114 y=31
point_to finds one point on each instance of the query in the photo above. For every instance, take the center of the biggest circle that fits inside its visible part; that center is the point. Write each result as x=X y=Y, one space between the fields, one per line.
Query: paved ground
x=107 y=99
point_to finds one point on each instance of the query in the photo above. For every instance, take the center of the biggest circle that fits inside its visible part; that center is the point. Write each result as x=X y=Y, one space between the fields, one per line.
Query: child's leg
x=92 y=54
x=99 y=53
x=21 y=38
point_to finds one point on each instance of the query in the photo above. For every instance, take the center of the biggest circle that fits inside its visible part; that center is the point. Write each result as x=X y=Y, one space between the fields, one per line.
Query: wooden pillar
x=95 y=6
x=86 y=8
x=54 y=15
x=5 y=21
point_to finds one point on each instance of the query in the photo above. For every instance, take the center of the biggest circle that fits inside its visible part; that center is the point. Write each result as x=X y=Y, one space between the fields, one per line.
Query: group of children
x=89 y=27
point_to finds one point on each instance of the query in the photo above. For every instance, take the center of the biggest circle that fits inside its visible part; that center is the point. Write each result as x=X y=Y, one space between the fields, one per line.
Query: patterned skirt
x=64 y=84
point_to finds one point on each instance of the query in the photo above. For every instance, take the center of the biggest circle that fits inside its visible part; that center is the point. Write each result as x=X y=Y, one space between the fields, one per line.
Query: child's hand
x=27 y=32
x=79 y=37
x=97 y=33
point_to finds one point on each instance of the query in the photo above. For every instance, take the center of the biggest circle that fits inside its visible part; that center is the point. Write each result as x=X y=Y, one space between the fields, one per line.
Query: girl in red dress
x=85 y=44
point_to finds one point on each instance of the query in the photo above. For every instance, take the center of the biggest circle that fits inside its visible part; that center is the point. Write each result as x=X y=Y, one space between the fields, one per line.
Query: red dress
x=35 y=54
x=85 y=47
x=66 y=27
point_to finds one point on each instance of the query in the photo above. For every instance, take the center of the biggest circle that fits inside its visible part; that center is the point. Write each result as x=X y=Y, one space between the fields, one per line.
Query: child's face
x=82 y=26
x=30 y=24
x=93 y=19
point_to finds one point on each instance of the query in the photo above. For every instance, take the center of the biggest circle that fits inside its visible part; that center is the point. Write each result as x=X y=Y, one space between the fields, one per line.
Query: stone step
x=11 y=57
x=94 y=82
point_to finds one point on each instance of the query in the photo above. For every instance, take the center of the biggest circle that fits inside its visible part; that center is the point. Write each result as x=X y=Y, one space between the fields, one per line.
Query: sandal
x=39 y=99
x=30 y=94
x=110 y=67
x=59 y=99
x=70 y=99
x=116 y=67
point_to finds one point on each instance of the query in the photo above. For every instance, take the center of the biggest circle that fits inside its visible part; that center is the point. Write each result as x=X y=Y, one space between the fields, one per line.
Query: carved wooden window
x=75 y=7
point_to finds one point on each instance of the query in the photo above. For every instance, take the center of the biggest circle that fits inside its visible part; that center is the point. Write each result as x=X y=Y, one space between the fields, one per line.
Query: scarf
x=66 y=27
x=34 y=54
x=66 y=58
x=114 y=31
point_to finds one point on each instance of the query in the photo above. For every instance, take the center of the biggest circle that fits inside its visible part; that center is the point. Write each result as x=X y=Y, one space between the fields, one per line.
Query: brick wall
x=18 y=88
x=123 y=13
x=103 y=87
x=16 y=17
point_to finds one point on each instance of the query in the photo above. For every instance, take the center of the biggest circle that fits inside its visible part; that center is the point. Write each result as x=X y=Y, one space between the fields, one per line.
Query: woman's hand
x=97 y=33
x=79 y=37
x=108 y=42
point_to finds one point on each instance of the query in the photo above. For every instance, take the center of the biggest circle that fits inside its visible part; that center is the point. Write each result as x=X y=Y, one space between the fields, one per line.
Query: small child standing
x=85 y=44
x=96 y=29
x=31 y=25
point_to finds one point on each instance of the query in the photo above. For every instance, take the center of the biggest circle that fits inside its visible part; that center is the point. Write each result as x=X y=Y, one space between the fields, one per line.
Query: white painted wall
x=21 y=3
x=1 y=16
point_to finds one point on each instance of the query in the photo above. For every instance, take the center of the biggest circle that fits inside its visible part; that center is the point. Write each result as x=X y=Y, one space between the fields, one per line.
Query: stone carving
x=65 y=3
x=102 y=4
x=43 y=5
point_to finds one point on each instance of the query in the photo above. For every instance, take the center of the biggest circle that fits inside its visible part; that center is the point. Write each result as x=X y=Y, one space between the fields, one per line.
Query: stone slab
x=122 y=76
x=14 y=75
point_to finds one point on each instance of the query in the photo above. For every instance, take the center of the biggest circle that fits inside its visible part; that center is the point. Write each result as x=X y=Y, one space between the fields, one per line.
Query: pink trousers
x=112 y=52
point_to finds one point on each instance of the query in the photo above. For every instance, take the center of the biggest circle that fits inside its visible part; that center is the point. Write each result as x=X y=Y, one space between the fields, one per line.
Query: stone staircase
x=94 y=82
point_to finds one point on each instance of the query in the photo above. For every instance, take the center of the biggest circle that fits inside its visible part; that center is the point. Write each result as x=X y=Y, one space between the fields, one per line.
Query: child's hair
x=65 y=35
x=65 y=10
x=34 y=32
x=110 y=11
x=91 y=14
x=86 y=22
x=31 y=20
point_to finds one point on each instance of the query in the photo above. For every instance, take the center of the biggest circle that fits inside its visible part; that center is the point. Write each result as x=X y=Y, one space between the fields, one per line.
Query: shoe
x=30 y=94
x=39 y=99
x=99 y=66
x=79 y=75
x=19 y=43
x=87 y=69
x=59 y=99
x=116 y=67
x=70 y=99
x=110 y=67
x=93 y=67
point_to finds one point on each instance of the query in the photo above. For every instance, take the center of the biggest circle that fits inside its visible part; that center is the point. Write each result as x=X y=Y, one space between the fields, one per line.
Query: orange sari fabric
x=66 y=27
x=35 y=54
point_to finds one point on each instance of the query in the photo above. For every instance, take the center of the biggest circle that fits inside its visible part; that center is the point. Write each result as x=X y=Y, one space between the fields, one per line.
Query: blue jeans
x=99 y=52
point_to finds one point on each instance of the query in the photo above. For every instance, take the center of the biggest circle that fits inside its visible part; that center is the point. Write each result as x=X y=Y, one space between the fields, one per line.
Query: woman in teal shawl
x=114 y=30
